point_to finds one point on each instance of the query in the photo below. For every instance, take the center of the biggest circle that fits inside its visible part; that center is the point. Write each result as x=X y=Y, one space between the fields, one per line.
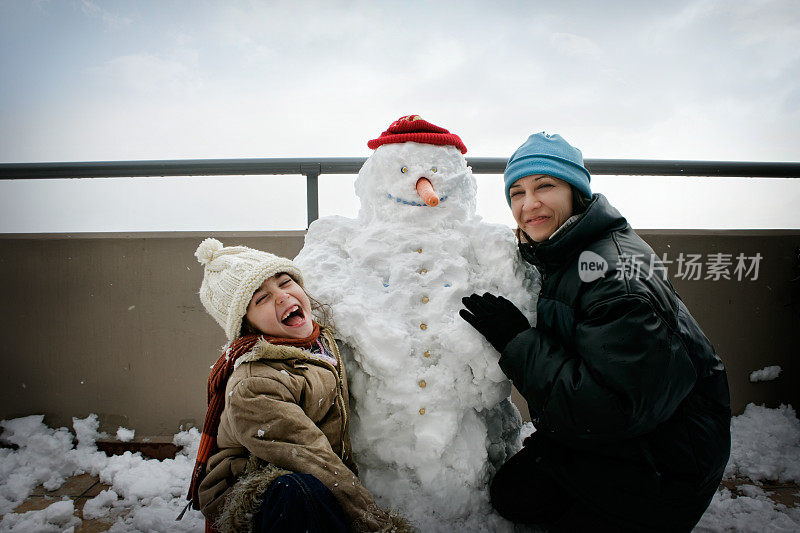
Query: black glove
x=495 y=318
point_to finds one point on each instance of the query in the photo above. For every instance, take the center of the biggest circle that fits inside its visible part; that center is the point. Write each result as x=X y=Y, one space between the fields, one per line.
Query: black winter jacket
x=629 y=398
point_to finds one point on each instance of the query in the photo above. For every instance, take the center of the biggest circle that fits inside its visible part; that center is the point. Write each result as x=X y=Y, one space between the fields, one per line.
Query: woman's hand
x=495 y=318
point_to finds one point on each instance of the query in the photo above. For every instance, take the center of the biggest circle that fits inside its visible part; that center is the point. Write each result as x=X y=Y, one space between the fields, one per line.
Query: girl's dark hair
x=321 y=311
x=247 y=328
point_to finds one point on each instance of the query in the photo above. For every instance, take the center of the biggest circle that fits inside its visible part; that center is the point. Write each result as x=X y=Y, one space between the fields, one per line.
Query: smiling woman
x=540 y=204
x=629 y=399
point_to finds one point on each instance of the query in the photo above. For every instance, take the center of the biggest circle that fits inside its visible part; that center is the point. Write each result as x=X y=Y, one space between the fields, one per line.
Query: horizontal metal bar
x=351 y=165
x=185 y=167
x=662 y=167
x=649 y=167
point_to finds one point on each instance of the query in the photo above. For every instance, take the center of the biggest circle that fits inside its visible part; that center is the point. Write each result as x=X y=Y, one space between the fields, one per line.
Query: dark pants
x=523 y=493
x=299 y=503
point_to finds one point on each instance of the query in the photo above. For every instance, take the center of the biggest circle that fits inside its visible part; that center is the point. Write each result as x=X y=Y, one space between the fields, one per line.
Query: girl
x=275 y=450
x=629 y=399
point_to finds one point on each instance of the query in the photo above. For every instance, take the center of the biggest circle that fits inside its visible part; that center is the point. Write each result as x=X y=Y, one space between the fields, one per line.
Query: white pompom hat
x=232 y=275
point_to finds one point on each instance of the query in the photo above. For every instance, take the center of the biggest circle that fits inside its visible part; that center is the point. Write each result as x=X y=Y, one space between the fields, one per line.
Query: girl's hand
x=495 y=318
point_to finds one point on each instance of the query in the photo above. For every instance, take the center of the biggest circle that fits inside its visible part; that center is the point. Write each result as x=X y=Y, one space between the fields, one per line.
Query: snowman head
x=417 y=173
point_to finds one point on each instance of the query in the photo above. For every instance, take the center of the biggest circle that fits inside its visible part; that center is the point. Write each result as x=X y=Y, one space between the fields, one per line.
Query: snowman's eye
x=433 y=169
x=404 y=170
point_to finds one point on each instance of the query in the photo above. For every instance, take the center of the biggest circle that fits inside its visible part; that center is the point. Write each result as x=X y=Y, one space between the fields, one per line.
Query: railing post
x=312 y=190
x=312 y=197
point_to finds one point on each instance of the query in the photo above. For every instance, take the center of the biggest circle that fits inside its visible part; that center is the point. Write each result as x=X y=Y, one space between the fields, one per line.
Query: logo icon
x=591 y=266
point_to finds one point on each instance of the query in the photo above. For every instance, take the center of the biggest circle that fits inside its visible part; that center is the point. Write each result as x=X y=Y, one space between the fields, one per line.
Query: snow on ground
x=147 y=494
x=752 y=512
x=765 y=444
x=151 y=491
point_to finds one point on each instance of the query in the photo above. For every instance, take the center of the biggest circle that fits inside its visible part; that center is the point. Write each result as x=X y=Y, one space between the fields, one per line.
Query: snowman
x=431 y=413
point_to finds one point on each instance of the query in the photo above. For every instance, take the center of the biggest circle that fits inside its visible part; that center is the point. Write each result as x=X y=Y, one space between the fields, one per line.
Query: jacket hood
x=277 y=352
x=599 y=218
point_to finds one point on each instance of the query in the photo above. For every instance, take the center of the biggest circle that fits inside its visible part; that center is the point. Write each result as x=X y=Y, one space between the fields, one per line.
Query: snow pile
x=125 y=435
x=432 y=419
x=100 y=505
x=765 y=374
x=43 y=458
x=58 y=517
x=753 y=512
x=148 y=494
x=765 y=444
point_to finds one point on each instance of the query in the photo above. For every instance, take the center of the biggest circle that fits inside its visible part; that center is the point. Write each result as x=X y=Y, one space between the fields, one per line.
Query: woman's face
x=540 y=204
x=280 y=308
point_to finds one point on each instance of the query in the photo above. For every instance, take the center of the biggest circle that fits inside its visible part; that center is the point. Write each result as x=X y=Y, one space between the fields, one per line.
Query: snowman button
x=423 y=271
x=423 y=326
x=422 y=384
x=427 y=353
x=422 y=411
x=425 y=299
x=419 y=250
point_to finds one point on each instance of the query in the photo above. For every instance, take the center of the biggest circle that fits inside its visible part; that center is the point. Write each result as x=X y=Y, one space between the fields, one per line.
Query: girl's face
x=280 y=308
x=540 y=204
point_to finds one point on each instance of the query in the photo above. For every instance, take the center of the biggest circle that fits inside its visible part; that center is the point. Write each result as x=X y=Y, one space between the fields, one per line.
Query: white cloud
x=111 y=21
x=575 y=45
x=151 y=73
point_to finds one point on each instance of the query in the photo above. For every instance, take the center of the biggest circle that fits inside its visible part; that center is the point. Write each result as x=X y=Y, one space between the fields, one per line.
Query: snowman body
x=431 y=414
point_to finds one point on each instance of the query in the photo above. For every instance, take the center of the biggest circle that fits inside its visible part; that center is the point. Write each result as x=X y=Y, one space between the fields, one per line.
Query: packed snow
x=148 y=494
x=765 y=444
x=765 y=374
x=58 y=517
x=125 y=434
x=752 y=512
x=432 y=416
x=100 y=505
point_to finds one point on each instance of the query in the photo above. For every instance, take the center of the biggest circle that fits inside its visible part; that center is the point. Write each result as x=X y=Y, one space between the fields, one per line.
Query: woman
x=629 y=399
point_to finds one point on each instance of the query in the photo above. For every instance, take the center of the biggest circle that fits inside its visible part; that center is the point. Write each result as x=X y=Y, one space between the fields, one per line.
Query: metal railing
x=311 y=168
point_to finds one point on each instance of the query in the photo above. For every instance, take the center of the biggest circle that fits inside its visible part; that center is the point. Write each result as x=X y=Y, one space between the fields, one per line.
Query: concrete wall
x=111 y=323
x=752 y=323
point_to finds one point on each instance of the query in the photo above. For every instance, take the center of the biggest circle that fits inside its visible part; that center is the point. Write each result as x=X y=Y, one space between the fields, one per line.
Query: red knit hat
x=413 y=128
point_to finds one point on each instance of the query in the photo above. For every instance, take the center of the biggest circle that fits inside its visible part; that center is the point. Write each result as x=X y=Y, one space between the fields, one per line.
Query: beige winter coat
x=285 y=411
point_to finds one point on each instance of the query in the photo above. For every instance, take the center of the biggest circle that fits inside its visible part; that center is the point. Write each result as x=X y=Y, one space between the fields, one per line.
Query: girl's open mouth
x=294 y=317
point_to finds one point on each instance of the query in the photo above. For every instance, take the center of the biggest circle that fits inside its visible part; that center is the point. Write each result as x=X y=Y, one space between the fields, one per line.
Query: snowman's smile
x=412 y=203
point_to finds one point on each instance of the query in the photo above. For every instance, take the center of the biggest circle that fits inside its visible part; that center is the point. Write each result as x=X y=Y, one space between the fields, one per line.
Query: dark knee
x=505 y=494
x=521 y=492
x=288 y=487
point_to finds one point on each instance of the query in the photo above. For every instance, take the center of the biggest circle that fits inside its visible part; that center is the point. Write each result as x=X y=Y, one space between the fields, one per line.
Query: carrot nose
x=427 y=192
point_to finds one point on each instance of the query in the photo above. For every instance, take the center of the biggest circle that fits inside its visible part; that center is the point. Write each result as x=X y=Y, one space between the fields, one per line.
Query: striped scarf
x=217 y=381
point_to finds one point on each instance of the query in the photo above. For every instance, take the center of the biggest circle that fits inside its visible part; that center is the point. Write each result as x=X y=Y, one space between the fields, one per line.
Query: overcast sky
x=125 y=80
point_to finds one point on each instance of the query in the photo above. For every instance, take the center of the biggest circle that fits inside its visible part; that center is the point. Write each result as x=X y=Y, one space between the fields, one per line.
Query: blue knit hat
x=551 y=155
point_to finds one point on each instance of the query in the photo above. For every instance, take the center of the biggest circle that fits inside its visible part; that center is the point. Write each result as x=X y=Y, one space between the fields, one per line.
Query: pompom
x=205 y=252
